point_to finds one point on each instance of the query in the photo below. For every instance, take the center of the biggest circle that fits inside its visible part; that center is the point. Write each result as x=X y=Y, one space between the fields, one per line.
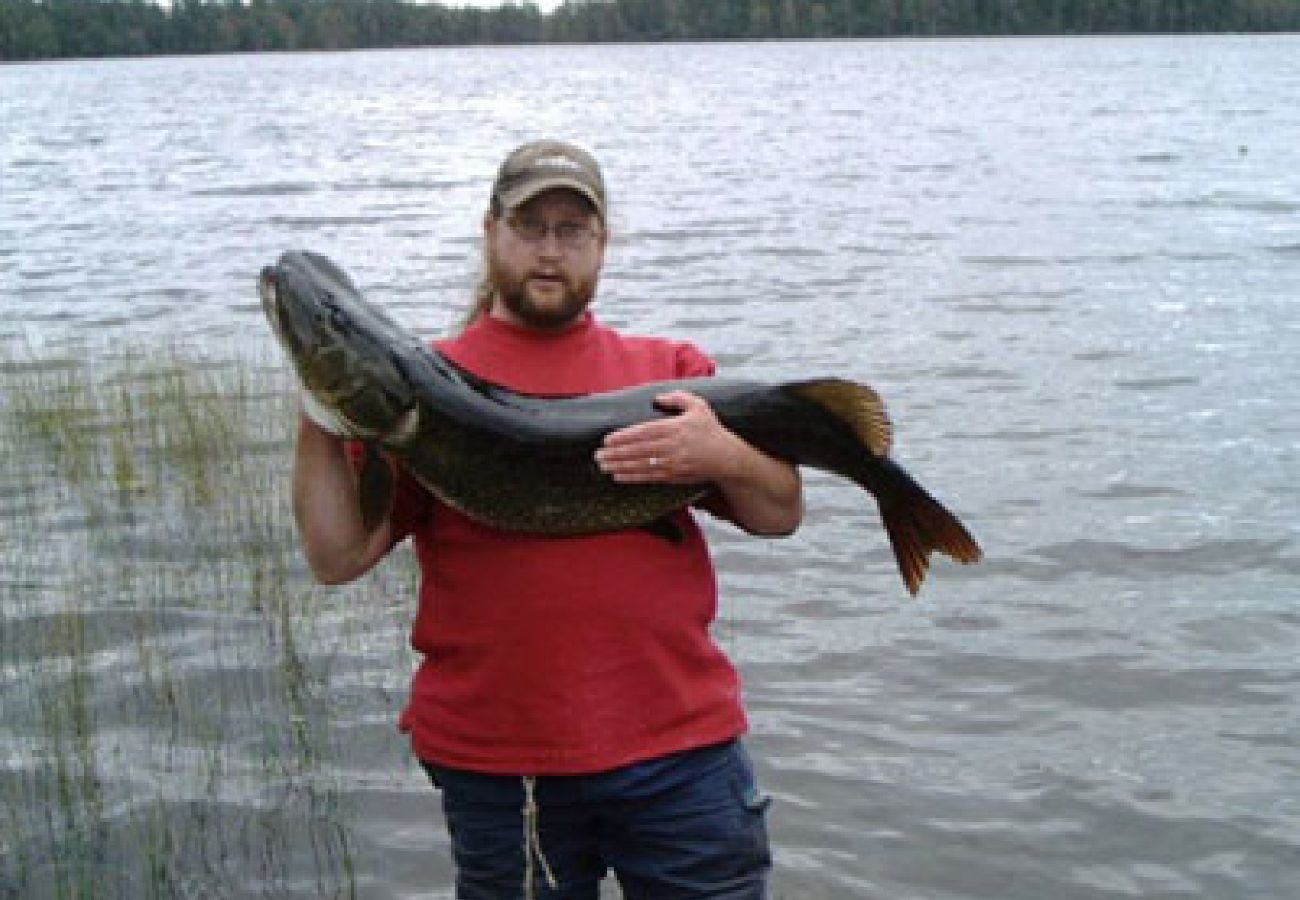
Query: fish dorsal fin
x=856 y=405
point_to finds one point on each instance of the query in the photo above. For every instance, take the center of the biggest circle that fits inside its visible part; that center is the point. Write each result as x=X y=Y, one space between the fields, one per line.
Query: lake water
x=1071 y=266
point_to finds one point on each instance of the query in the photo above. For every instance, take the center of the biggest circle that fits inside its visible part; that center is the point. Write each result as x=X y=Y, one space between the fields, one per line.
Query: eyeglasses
x=570 y=235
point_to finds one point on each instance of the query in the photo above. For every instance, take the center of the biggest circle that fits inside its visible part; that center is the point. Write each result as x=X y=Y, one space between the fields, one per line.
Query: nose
x=549 y=245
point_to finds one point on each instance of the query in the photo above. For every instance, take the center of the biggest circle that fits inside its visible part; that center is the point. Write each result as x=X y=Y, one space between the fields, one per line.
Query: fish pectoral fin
x=667 y=529
x=374 y=488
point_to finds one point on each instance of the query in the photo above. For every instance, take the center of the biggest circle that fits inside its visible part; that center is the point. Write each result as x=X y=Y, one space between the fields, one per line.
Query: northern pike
x=526 y=463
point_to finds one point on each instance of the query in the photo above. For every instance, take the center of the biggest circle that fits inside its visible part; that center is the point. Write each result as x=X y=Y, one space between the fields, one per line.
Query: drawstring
x=533 y=843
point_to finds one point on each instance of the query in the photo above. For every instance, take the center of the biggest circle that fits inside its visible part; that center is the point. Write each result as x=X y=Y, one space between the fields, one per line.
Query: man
x=571 y=704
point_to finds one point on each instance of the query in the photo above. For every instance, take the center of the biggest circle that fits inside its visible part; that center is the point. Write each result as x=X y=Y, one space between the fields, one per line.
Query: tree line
x=48 y=29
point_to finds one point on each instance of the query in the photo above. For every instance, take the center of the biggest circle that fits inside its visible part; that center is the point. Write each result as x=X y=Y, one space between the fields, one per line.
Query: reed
x=166 y=661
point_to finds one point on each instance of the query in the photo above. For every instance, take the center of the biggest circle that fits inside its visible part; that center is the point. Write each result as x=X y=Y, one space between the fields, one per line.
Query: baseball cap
x=542 y=165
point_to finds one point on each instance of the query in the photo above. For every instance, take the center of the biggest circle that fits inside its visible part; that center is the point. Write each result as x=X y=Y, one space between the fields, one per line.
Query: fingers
x=679 y=402
x=663 y=450
x=676 y=404
x=639 y=461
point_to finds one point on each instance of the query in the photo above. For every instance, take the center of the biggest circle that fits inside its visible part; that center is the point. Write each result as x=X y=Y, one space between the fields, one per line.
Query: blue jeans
x=686 y=827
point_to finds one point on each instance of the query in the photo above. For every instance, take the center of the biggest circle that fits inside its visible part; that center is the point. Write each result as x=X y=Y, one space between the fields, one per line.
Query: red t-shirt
x=554 y=656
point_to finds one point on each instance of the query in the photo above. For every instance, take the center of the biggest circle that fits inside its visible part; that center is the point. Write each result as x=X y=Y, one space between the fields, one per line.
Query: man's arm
x=327 y=508
x=764 y=495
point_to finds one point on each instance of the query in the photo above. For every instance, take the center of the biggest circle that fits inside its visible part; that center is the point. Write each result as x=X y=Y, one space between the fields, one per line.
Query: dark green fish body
x=526 y=463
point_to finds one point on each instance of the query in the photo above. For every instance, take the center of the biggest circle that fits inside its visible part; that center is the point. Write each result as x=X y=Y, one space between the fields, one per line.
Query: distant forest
x=48 y=29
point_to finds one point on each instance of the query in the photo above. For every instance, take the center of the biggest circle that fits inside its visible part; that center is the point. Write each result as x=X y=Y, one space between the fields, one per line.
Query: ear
x=489 y=224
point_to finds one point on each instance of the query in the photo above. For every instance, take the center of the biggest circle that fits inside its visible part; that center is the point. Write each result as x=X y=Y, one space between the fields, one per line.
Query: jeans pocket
x=754 y=803
x=745 y=782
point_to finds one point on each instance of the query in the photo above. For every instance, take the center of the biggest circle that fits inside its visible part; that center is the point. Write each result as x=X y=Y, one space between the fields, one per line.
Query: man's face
x=544 y=258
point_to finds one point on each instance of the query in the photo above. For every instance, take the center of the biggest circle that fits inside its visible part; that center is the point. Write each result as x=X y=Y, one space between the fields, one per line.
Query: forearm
x=327 y=509
x=761 y=494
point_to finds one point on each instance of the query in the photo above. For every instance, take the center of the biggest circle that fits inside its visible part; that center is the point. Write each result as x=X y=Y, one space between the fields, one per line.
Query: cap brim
x=522 y=194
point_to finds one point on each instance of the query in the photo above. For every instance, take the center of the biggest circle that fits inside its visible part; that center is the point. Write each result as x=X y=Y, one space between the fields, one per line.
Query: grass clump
x=167 y=663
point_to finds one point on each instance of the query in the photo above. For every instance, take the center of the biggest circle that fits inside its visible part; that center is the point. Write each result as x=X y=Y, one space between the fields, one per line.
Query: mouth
x=548 y=281
x=267 y=290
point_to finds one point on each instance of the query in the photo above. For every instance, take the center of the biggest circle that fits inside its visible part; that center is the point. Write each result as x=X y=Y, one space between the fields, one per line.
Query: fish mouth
x=292 y=325
x=293 y=328
x=268 y=289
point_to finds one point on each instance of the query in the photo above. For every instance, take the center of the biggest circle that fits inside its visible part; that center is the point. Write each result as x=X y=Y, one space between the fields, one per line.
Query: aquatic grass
x=167 y=664
x=55 y=412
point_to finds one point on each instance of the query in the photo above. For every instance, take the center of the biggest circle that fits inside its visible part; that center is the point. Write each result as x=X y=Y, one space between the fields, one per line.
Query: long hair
x=481 y=298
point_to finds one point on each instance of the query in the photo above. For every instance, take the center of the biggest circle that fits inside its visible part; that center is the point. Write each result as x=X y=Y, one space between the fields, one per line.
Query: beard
x=548 y=310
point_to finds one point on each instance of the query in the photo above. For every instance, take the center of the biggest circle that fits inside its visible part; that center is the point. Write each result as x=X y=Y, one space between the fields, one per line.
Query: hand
x=689 y=447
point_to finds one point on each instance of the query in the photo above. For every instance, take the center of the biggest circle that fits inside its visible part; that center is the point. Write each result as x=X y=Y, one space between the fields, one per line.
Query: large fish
x=525 y=463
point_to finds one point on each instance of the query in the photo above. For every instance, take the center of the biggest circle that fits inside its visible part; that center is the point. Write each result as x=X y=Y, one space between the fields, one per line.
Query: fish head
x=347 y=353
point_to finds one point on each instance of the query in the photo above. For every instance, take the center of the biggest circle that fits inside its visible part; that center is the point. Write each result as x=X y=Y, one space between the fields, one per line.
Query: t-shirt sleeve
x=690 y=362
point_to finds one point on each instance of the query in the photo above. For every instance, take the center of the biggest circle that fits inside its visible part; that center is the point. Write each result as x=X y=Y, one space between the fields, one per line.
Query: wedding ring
x=654 y=462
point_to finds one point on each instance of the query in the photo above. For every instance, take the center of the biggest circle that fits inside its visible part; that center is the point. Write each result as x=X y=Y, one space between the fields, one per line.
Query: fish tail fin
x=918 y=524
